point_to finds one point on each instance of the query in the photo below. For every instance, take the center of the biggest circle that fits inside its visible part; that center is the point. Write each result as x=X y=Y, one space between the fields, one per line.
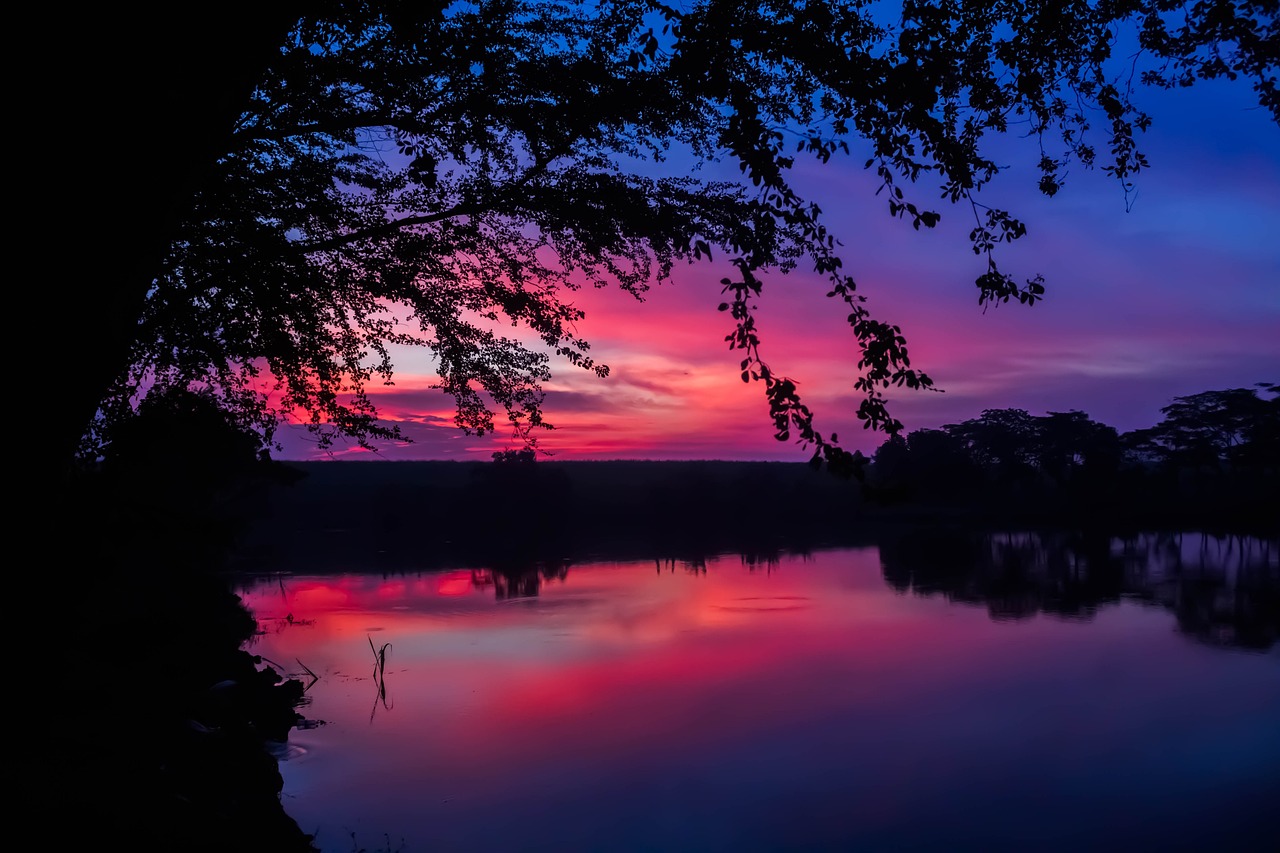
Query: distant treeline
x=1212 y=463
x=421 y=515
x=1213 y=459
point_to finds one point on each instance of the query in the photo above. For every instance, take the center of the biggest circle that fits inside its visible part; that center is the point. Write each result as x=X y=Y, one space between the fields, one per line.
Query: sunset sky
x=1179 y=294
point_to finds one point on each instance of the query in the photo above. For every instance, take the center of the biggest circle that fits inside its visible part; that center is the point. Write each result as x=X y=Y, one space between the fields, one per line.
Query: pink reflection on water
x=620 y=690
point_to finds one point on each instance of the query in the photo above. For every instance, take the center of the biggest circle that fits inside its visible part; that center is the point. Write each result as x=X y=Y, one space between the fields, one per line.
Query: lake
x=937 y=691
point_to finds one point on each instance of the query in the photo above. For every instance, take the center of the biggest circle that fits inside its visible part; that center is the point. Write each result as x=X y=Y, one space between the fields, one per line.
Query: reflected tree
x=521 y=579
x=1223 y=591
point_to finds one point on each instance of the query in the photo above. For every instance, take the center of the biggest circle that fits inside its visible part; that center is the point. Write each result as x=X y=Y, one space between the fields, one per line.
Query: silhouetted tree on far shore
x=1213 y=452
x=1234 y=427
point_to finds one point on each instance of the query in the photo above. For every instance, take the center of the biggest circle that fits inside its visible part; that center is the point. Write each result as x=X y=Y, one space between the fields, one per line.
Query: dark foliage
x=1212 y=459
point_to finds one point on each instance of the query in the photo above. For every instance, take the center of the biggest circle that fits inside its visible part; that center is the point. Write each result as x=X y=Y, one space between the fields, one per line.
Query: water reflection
x=796 y=701
x=1224 y=590
x=519 y=579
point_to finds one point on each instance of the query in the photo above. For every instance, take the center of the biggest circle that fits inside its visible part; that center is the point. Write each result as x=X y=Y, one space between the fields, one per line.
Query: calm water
x=997 y=694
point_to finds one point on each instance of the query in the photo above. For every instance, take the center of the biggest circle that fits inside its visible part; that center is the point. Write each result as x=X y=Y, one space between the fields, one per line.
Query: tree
x=1068 y=442
x=926 y=464
x=1213 y=428
x=941 y=463
x=422 y=175
x=1003 y=441
x=127 y=113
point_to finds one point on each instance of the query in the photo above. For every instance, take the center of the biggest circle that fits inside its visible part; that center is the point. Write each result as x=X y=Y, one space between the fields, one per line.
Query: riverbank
x=165 y=725
x=158 y=727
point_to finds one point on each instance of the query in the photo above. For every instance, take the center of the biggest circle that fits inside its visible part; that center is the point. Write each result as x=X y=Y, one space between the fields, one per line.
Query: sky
x=1169 y=292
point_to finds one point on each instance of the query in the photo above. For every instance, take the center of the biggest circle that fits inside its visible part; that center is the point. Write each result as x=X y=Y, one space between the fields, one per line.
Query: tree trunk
x=127 y=111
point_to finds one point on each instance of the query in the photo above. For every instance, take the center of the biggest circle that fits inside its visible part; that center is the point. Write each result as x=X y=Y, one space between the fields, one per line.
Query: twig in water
x=379 y=658
x=379 y=676
x=314 y=677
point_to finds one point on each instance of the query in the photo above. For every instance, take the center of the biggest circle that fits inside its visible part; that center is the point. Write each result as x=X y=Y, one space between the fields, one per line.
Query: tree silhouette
x=1002 y=441
x=1213 y=458
x=1216 y=428
x=129 y=111
x=1072 y=443
x=335 y=181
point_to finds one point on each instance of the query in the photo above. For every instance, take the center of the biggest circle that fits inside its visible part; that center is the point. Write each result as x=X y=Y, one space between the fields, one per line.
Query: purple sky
x=1179 y=294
